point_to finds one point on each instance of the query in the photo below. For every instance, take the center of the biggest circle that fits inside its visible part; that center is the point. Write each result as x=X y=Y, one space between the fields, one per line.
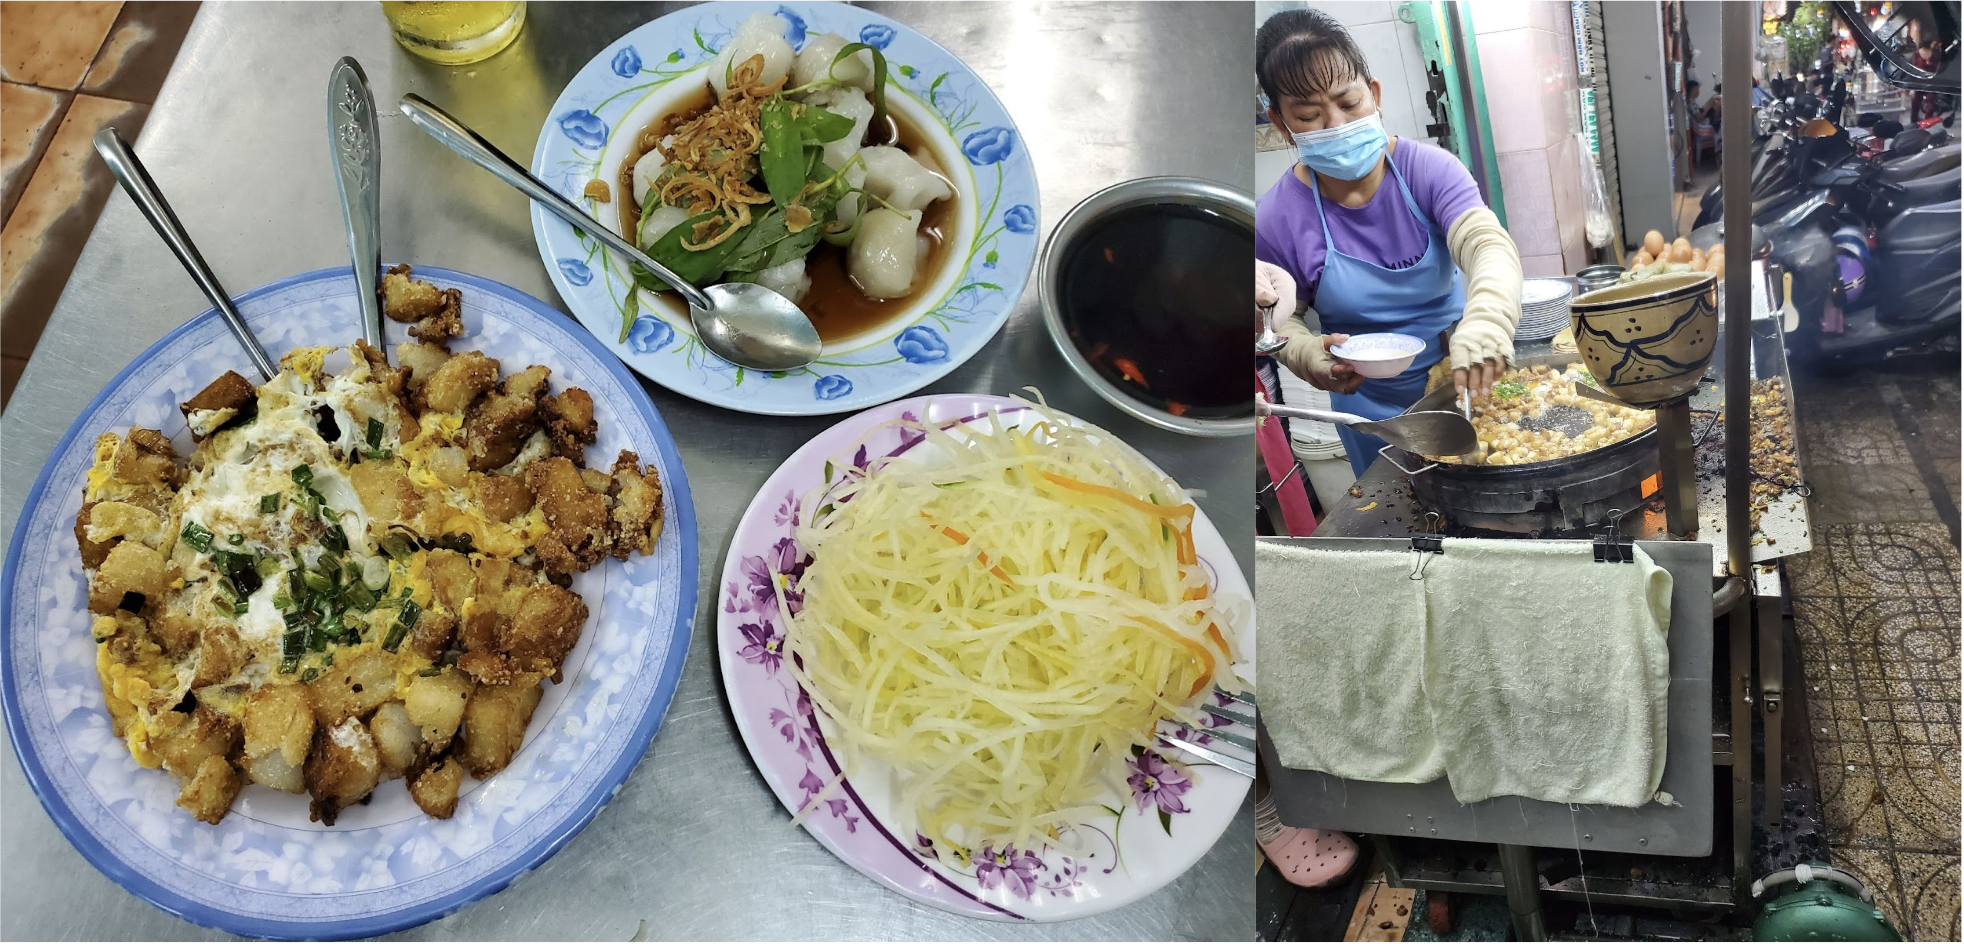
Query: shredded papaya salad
x=1000 y=615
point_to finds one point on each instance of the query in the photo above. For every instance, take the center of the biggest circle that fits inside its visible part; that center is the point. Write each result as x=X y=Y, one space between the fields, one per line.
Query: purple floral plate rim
x=1047 y=884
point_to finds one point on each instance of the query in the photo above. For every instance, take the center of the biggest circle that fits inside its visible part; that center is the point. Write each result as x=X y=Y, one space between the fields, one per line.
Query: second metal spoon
x=742 y=322
x=357 y=159
x=129 y=172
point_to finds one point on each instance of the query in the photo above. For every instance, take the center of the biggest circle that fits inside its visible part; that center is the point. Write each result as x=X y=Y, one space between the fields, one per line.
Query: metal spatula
x=1427 y=433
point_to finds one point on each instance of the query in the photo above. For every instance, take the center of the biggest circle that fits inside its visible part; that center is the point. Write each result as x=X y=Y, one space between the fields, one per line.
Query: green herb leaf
x=696 y=266
x=821 y=126
x=782 y=156
x=629 y=310
x=879 y=122
x=197 y=536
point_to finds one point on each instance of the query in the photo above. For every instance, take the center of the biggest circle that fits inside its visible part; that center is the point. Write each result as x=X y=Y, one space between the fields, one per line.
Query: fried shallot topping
x=713 y=156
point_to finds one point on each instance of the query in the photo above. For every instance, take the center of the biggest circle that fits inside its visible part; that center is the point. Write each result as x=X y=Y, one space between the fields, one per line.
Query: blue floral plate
x=266 y=870
x=1168 y=813
x=643 y=75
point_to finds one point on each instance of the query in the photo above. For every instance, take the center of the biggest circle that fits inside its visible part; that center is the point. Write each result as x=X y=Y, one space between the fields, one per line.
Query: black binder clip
x=1615 y=547
x=1423 y=544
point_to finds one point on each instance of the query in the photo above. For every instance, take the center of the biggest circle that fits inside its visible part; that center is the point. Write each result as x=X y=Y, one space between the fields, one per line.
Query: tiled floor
x=1876 y=610
x=67 y=70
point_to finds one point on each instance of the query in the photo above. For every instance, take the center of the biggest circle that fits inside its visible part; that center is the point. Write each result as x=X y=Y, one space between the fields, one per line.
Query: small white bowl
x=1378 y=356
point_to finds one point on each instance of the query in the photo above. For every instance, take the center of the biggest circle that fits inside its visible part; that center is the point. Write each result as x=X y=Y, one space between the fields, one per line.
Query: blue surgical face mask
x=1348 y=151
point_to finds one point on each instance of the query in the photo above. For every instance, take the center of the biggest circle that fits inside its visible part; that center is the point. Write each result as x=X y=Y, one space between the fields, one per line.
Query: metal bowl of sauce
x=1146 y=292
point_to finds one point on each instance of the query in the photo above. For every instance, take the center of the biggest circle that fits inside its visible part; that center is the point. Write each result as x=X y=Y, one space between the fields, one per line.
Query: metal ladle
x=742 y=322
x=1427 y=433
x=136 y=181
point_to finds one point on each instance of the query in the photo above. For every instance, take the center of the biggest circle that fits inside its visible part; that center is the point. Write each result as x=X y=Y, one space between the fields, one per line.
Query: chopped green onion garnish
x=266 y=566
x=303 y=475
x=288 y=664
x=431 y=672
x=328 y=631
x=405 y=621
x=374 y=433
x=317 y=581
x=310 y=675
x=270 y=503
x=235 y=540
x=358 y=596
x=196 y=536
x=335 y=538
x=396 y=546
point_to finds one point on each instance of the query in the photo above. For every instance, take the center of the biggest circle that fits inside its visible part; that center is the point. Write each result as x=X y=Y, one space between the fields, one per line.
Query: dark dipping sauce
x=1157 y=297
x=835 y=305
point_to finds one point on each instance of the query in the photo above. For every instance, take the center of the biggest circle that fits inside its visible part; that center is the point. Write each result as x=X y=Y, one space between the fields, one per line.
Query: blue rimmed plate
x=636 y=79
x=266 y=870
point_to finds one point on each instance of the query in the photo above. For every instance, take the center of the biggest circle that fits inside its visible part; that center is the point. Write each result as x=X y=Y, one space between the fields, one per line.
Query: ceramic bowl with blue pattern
x=1649 y=342
x=650 y=72
x=266 y=870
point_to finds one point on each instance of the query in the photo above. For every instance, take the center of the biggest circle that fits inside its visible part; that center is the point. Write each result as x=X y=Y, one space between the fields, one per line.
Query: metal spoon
x=1426 y=433
x=1269 y=342
x=1593 y=393
x=357 y=153
x=136 y=181
x=742 y=322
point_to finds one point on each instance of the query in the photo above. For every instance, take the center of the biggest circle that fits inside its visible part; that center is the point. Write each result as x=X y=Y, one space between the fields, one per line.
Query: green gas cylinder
x=1816 y=902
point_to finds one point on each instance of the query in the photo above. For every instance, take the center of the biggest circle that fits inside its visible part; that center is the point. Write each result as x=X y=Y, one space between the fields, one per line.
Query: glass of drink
x=455 y=33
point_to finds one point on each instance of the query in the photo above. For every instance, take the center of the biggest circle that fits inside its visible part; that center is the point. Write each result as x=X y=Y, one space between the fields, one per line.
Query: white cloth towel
x=1341 y=637
x=1538 y=672
x=1548 y=673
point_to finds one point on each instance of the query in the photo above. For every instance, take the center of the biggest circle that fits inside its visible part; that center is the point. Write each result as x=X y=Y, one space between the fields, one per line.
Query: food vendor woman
x=1377 y=234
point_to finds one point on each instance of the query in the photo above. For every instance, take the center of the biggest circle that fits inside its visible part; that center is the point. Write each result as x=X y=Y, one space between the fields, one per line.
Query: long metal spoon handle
x=136 y=181
x=357 y=151
x=1304 y=413
x=471 y=146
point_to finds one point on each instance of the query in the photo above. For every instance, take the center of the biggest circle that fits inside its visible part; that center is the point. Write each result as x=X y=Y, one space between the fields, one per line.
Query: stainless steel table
x=695 y=846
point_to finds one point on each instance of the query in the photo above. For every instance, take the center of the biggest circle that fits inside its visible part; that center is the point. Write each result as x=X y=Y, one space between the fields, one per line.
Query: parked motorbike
x=1873 y=248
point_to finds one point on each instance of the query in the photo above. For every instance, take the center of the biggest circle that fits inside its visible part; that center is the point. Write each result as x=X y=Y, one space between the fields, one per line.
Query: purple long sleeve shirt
x=1381 y=231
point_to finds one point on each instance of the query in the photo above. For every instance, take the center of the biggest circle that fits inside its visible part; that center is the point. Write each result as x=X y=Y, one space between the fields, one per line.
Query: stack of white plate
x=1544 y=309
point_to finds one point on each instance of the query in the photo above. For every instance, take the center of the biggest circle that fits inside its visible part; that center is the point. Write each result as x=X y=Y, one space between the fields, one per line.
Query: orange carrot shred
x=1106 y=491
x=981 y=557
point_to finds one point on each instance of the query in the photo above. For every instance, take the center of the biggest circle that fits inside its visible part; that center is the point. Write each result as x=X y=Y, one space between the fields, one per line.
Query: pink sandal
x=1311 y=858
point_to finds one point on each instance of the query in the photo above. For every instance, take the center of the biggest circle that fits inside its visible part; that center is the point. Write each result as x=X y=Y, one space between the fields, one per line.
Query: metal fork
x=1229 y=743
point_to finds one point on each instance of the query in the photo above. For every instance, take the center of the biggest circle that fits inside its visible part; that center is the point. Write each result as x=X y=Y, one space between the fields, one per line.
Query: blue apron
x=1358 y=297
